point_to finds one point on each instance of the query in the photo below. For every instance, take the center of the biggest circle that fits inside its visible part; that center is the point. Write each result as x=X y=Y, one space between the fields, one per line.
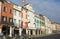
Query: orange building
x=6 y=16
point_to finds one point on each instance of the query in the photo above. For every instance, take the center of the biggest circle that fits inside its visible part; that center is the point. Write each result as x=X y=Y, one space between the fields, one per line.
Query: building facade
x=24 y=22
x=58 y=27
x=17 y=18
x=42 y=24
x=37 y=24
x=7 y=17
x=31 y=24
x=48 y=24
x=55 y=27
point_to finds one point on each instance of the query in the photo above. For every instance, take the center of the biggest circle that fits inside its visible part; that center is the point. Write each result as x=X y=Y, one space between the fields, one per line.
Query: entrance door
x=5 y=30
x=24 y=31
x=36 y=32
x=31 y=32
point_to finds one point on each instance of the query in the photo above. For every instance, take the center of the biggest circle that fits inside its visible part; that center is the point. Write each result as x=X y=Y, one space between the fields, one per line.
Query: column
x=37 y=32
x=29 y=32
x=33 y=32
x=20 y=31
x=10 y=31
x=0 y=29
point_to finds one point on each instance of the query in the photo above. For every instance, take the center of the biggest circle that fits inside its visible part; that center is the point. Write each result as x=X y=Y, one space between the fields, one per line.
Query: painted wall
x=31 y=20
x=31 y=15
x=24 y=18
x=7 y=13
x=47 y=24
x=17 y=16
x=37 y=22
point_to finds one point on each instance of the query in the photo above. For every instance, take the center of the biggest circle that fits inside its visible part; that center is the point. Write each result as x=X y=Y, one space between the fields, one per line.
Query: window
x=19 y=22
x=4 y=9
x=37 y=21
x=19 y=13
x=4 y=18
x=14 y=20
x=14 y=12
x=10 y=10
x=10 y=20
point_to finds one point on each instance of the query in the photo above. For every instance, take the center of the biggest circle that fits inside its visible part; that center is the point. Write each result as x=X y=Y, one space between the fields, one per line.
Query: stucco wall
x=16 y=15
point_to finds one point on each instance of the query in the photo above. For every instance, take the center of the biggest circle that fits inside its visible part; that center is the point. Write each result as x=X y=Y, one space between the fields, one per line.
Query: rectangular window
x=35 y=20
x=4 y=9
x=14 y=12
x=14 y=20
x=10 y=10
x=4 y=18
x=19 y=13
x=19 y=22
x=10 y=20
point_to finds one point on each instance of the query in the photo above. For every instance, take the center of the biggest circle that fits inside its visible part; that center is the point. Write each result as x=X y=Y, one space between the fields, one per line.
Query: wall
x=47 y=24
x=31 y=18
x=31 y=15
x=17 y=15
x=37 y=22
x=7 y=13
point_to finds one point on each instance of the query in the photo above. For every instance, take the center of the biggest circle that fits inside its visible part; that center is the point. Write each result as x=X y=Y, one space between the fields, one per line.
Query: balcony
x=10 y=23
x=3 y=22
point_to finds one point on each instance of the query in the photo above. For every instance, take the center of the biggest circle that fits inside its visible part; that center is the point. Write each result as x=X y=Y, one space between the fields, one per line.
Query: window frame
x=4 y=9
x=10 y=10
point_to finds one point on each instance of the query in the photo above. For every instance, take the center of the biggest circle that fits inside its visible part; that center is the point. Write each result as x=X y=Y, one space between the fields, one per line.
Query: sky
x=49 y=8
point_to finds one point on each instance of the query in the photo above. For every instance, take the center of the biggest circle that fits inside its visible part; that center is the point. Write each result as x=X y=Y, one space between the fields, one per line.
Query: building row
x=19 y=20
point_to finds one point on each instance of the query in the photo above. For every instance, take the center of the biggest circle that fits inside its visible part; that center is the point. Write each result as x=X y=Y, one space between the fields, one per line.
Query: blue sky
x=49 y=8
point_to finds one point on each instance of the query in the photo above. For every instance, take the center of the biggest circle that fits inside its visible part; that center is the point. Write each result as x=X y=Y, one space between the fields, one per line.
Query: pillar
x=37 y=32
x=29 y=32
x=0 y=29
x=20 y=31
x=10 y=31
x=33 y=32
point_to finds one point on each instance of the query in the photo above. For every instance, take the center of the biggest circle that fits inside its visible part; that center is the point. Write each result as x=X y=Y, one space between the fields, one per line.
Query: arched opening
x=5 y=30
x=36 y=32
x=24 y=31
x=16 y=31
x=31 y=32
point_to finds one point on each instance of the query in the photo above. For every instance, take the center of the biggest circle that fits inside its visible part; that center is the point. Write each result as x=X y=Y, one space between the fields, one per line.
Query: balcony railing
x=3 y=22
x=10 y=23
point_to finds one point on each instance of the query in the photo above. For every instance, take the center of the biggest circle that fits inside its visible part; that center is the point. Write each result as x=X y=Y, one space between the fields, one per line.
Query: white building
x=48 y=24
x=17 y=17
x=31 y=20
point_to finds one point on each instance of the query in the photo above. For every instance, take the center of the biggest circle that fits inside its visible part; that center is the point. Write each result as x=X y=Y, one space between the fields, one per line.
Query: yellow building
x=55 y=27
x=42 y=24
